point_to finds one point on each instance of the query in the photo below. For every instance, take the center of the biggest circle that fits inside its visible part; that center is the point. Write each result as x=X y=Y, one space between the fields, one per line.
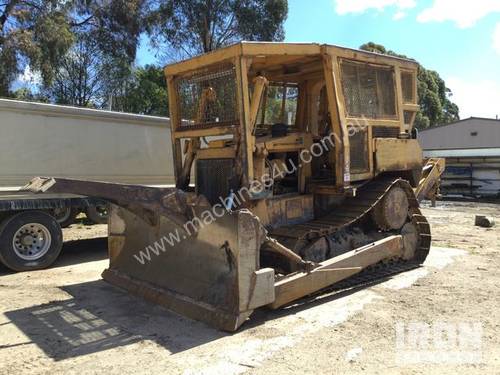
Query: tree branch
x=85 y=21
x=6 y=13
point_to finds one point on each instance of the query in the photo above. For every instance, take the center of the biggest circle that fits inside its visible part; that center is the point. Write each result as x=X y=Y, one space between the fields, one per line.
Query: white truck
x=49 y=140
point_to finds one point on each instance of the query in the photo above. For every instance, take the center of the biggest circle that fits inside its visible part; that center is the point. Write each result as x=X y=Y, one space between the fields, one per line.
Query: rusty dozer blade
x=202 y=269
x=174 y=249
x=207 y=272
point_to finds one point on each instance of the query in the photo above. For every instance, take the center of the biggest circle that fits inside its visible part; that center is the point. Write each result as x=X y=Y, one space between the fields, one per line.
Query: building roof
x=459 y=121
x=56 y=110
x=470 y=133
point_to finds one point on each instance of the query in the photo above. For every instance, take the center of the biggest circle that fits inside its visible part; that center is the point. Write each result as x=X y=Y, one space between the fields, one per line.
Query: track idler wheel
x=411 y=240
x=392 y=211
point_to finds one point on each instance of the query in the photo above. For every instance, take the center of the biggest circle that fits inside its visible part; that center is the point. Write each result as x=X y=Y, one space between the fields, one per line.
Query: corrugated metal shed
x=472 y=151
x=474 y=132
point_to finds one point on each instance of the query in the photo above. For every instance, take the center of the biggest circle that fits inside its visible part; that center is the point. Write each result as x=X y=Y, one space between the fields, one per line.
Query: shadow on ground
x=99 y=316
x=82 y=251
x=77 y=252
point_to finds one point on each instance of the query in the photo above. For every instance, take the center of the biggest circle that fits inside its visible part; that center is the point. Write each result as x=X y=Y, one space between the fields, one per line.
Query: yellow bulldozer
x=296 y=167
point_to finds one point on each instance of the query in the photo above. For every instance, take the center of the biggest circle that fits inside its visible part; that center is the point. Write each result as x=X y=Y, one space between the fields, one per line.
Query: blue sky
x=459 y=39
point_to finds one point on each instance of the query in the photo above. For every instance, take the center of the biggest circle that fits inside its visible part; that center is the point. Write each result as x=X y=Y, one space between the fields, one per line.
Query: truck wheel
x=30 y=240
x=65 y=216
x=98 y=213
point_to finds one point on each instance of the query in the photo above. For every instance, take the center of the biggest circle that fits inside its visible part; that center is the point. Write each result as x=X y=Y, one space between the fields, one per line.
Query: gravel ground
x=67 y=320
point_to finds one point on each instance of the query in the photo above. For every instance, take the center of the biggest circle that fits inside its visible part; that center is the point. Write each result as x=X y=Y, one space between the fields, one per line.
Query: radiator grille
x=215 y=178
x=385 y=132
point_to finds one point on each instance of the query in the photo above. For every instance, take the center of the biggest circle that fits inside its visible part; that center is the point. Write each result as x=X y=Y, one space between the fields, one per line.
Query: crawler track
x=374 y=274
x=353 y=213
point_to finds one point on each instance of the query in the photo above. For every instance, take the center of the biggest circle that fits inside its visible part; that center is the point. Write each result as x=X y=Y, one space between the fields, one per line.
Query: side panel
x=397 y=154
x=290 y=210
x=47 y=140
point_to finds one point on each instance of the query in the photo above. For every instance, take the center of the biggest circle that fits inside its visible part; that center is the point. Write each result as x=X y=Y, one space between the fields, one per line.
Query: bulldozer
x=296 y=167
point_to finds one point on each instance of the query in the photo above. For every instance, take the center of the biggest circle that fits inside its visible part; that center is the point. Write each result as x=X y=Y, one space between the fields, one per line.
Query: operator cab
x=292 y=125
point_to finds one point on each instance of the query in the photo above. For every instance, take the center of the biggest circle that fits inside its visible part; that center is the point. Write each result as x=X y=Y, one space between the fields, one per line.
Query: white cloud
x=496 y=38
x=475 y=98
x=464 y=13
x=399 y=15
x=360 y=6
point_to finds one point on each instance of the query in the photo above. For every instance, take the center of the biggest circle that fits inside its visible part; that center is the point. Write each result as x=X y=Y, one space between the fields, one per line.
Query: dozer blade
x=205 y=270
x=209 y=273
x=174 y=249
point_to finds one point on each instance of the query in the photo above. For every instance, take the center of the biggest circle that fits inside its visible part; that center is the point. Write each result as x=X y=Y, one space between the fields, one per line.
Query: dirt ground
x=67 y=320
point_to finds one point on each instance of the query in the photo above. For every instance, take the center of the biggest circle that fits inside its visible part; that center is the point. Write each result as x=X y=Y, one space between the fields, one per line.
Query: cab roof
x=293 y=51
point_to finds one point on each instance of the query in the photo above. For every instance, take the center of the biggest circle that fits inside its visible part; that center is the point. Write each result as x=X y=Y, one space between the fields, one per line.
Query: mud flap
x=205 y=271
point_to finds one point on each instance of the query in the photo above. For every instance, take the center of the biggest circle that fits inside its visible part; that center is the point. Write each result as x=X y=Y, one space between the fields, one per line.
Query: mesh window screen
x=407 y=86
x=359 y=151
x=208 y=98
x=368 y=90
x=408 y=117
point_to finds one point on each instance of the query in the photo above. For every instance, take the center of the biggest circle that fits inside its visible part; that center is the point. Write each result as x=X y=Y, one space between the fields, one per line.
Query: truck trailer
x=43 y=139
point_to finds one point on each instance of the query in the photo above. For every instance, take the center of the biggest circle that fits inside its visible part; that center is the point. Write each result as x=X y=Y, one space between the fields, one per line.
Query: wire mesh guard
x=208 y=97
x=359 y=151
x=408 y=117
x=407 y=86
x=369 y=90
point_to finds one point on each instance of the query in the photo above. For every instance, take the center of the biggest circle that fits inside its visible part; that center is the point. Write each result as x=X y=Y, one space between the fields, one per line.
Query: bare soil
x=67 y=320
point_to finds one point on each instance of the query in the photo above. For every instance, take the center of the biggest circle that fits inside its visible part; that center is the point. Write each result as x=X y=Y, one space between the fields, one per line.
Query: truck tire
x=65 y=216
x=30 y=240
x=98 y=213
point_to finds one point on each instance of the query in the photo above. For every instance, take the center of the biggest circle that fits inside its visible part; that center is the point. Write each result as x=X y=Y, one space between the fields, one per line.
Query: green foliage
x=436 y=108
x=35 y=32
x=145 y=93
x=40 y=33
x=27 y=95
x=374 y=47
x=83 y=75
x=115 y=25
x=434 y=100
x=261 y=20
x=189 y=27
x=84 y=50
